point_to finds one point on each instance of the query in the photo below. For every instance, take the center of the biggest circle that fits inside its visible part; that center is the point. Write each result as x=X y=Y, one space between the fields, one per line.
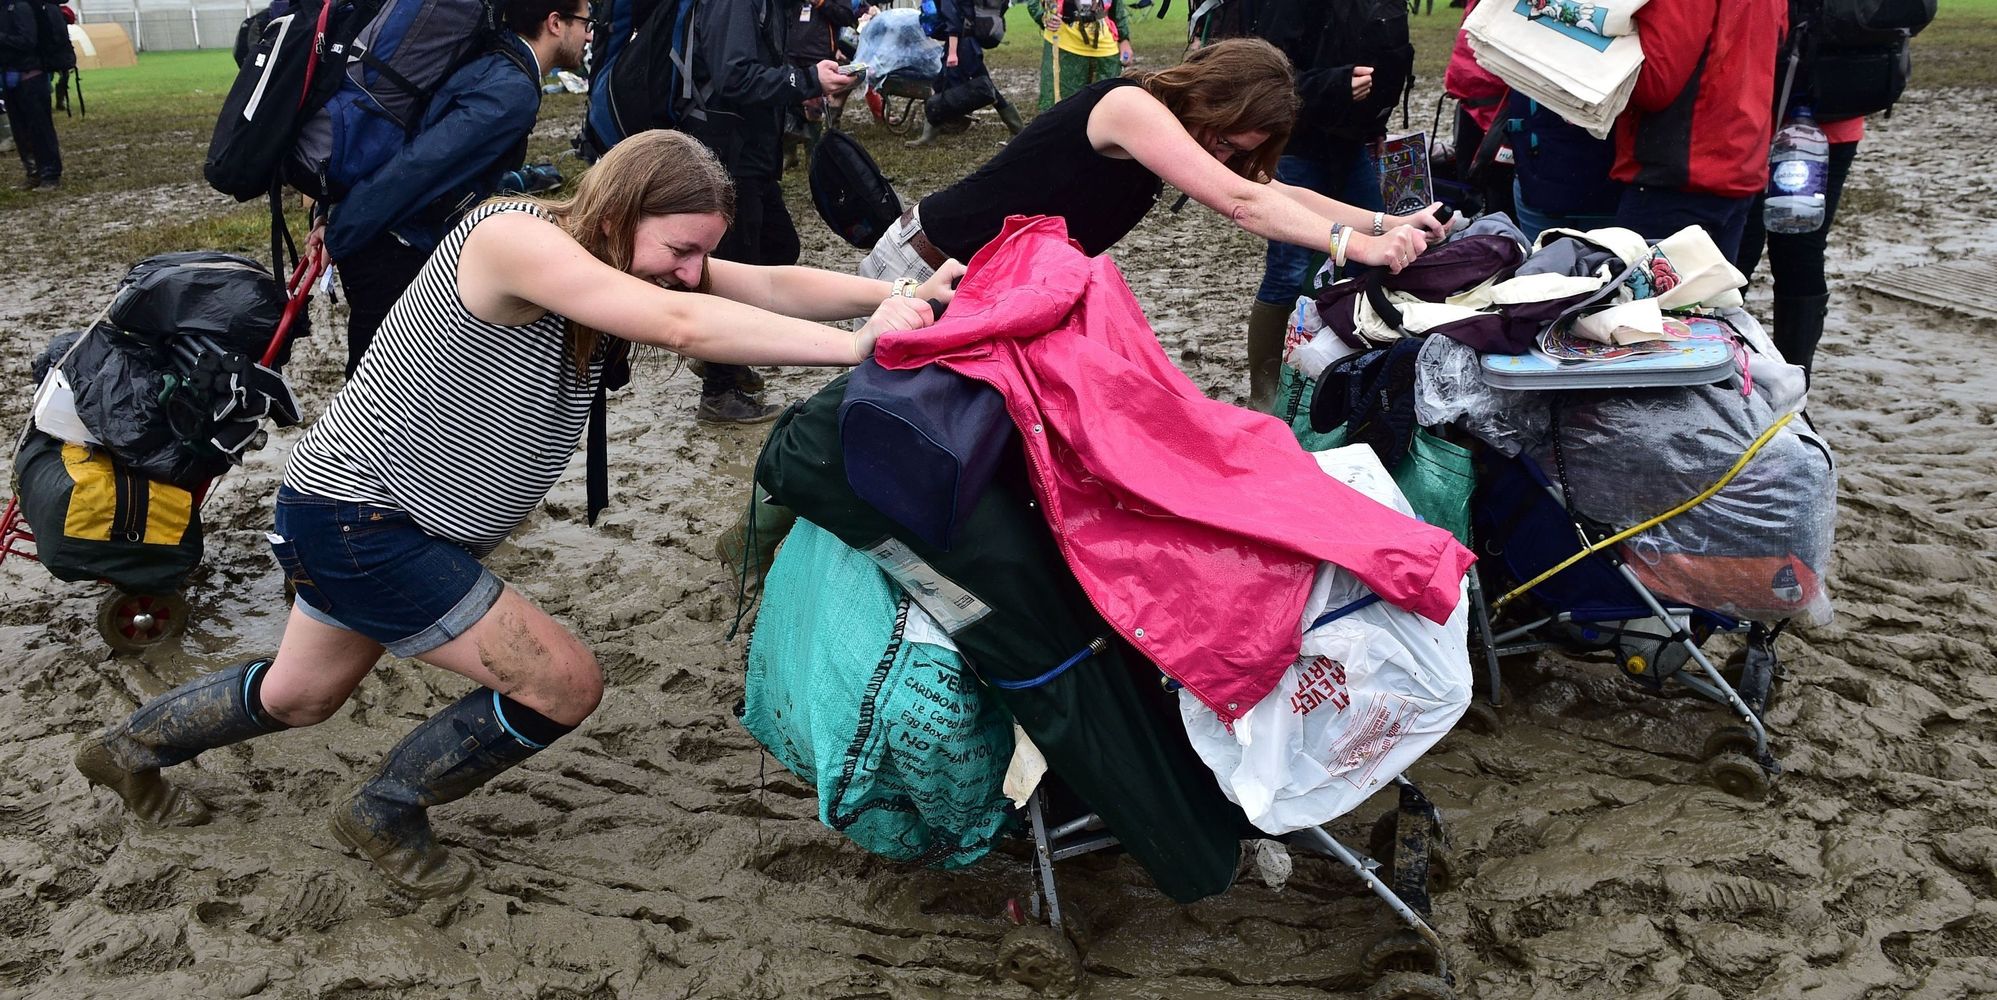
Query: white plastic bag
x=1369 y=694
x=55 y=410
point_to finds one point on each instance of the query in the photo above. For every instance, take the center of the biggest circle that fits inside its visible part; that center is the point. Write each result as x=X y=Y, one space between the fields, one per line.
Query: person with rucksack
x=814 y=36
x=746 y=90
x=1083 y=41
x=1843 y=60
x=964 y=84
x=34 y=44
x=1692 y=144
x=460 y=420
x=473 y=128
x=1354 y=63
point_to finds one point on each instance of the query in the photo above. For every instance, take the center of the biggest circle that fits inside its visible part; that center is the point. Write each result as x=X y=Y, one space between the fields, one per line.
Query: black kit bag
x=850 y=192
x=960 y=100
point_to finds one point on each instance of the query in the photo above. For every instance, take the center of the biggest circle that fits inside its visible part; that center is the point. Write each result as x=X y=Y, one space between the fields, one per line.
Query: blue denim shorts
x=371 y=570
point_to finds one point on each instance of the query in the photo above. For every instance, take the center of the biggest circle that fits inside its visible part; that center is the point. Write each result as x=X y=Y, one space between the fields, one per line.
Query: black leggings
x=1796 y=260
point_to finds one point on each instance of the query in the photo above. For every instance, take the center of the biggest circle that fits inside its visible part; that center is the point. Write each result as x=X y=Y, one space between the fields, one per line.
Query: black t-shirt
x=1048 y=169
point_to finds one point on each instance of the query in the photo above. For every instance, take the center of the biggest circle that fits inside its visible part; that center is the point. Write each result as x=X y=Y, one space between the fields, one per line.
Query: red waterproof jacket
x=1702 y=114
x=1480 y=91
x=1194 y=526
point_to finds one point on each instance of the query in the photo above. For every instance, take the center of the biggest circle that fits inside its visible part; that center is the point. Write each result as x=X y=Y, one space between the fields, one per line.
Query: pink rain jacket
x=1194 y=526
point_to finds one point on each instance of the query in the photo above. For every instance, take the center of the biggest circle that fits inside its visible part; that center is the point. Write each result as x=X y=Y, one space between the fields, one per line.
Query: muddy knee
x=566 y=688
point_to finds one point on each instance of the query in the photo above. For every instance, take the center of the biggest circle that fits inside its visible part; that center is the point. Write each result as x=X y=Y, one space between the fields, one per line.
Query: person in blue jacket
x=474 y=130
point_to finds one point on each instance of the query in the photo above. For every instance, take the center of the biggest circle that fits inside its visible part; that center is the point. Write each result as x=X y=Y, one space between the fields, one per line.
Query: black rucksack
x=849 y=191
x=645 y=80
x=1852 y=57
x=988 y=21
x=290 y=71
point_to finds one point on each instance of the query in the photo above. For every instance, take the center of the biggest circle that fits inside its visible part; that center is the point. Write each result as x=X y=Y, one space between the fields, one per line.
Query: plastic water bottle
x=1798 y=166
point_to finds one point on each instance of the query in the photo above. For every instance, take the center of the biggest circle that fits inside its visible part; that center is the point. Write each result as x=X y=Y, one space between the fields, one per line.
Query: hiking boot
x=209 y=711
x=747 y=379
x=733 y=406
x=31 y=183
x=387 y=819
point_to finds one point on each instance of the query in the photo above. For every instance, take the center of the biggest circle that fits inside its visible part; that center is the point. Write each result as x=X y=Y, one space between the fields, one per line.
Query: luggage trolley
x=1407 y=845
x=133 y=622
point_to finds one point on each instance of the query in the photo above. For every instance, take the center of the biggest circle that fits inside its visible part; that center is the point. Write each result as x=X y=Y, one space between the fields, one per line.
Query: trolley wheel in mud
x=1729 y=739
x=1040 y=958
x=1399 y=952
x=1738 y=775
x=1410 y=986
x=1482 y=719
x=1442 y=860
x=130 y=623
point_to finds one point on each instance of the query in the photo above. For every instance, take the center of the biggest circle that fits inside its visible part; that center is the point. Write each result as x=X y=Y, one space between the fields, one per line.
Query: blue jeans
x=1656 y=213
x=371 y=570
x=1352 y=177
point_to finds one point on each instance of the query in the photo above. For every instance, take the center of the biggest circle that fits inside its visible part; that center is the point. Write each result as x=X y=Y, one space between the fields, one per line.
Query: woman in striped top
x=461 y=417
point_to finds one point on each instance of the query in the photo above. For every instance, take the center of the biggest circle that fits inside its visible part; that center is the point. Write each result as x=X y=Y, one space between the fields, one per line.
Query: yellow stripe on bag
x=168 y=510
x=93 y=502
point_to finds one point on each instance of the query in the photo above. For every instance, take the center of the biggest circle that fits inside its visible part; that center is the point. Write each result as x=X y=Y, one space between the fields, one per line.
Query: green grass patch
x=141 y=126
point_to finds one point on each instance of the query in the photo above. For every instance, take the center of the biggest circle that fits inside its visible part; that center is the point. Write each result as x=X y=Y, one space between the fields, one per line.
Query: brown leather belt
x=921 y=245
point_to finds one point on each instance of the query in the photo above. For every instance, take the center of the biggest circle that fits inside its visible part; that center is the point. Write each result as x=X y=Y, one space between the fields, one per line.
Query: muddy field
x=658 y=853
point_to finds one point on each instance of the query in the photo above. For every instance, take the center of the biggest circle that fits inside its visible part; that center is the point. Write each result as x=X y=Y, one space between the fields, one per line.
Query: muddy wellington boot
x=387 y=821
x=928 y=136
x=1799 y=325
x=749 y=546
x=212 y=710
x=1267 y=325
x=1010 y=116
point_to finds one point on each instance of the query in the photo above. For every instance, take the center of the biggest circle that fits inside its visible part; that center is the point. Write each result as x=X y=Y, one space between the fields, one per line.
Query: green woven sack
x=907 y=754
x=1436 y=476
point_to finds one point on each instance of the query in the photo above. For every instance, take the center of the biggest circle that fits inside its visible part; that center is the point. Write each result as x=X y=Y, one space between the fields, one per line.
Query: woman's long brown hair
x=659 y=172
x=1228 y=87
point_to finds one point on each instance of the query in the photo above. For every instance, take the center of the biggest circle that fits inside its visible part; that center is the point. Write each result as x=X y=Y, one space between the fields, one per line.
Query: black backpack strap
x=596 y=457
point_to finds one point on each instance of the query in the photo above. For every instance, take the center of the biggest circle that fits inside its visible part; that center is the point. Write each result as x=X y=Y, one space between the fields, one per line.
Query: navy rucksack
x=642 y=77
x=394 y=65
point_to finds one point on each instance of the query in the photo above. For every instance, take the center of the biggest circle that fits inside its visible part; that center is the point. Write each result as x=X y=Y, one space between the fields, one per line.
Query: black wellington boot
x=446 y=758
x=212 y=710
x=1799 y=325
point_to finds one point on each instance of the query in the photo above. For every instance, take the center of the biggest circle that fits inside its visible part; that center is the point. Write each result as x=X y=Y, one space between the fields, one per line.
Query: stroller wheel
x=1401 y=952
x=1040 y=958
x=1739 y=776
x=130 y=623
x=1410 y=986
x=1385 y=837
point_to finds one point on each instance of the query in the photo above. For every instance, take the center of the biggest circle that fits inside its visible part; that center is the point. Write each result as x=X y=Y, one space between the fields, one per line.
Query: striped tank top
x=462 y=424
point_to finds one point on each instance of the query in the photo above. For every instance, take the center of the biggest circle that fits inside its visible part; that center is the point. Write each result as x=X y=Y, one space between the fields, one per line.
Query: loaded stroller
x=133 y=419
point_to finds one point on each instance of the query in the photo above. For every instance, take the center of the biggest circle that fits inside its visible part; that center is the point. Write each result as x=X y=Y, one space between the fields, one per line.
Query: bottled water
x=1798 y=167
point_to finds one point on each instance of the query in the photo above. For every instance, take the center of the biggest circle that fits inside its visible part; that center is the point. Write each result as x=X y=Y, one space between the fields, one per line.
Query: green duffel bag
x=1106 y=727
x=1436 y=476
x=95 y=520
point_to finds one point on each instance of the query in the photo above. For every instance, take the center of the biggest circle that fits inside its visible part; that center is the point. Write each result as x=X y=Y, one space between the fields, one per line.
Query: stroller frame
x=1410 y=963
x=1737 y=759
